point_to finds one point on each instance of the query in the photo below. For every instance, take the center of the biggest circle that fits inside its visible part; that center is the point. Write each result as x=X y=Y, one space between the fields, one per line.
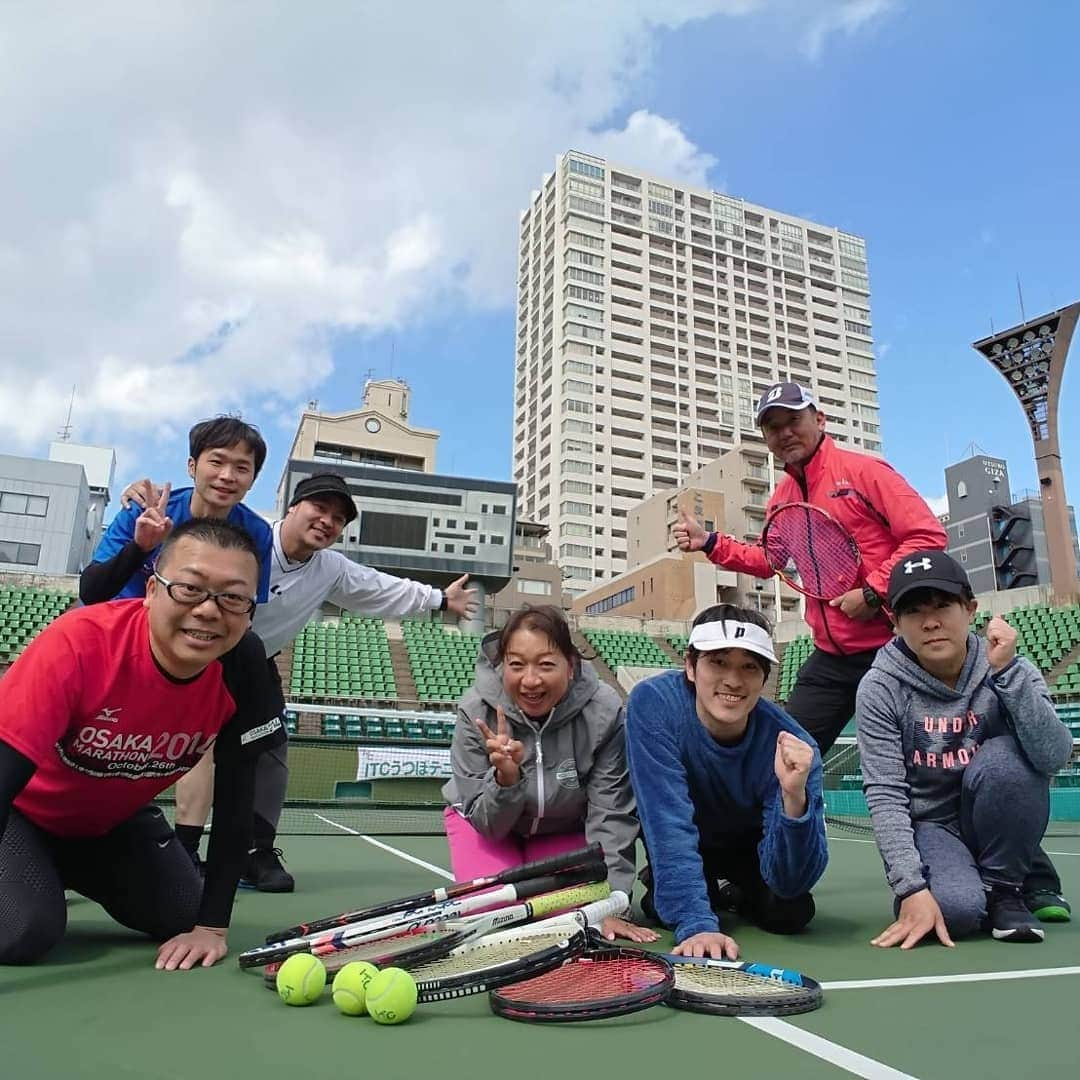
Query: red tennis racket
x=811 y=551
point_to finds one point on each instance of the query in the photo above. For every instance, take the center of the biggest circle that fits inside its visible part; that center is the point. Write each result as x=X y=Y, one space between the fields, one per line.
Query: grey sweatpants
x=1004 y=809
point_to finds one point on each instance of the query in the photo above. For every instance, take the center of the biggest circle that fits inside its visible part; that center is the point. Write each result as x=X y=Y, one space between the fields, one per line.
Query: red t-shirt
x=105 y=727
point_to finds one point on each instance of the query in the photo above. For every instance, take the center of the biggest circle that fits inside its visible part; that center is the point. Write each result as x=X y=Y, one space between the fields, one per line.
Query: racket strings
x=482 y=956
x=729 y=981
x=586 y=980
x=819 y=548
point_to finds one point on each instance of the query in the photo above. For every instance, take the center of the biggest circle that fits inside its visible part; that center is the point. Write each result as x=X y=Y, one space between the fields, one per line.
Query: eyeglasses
x=183 y=592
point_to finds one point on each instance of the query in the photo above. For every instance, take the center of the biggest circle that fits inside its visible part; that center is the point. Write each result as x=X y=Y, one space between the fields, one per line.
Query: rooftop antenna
x=65 y=430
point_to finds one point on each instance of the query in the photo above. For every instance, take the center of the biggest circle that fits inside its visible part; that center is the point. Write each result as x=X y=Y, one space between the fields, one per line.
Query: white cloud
x=939 y=504
x=846 y=18
x=212 y=192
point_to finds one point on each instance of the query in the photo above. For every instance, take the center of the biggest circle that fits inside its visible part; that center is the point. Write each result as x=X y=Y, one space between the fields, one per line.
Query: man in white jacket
x=304 y=574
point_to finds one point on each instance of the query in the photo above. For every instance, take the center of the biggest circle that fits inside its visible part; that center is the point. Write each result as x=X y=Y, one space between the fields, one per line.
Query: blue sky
x=339 y=214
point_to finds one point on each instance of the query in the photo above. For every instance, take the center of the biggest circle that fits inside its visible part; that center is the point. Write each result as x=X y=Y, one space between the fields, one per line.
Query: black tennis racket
x=729 y=988
x=811 y=551
x=601 y=983
x=540 y=868
x=406 y=921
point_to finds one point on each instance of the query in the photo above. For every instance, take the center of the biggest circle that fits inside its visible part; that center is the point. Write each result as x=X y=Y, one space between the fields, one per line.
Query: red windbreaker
x=887 y=517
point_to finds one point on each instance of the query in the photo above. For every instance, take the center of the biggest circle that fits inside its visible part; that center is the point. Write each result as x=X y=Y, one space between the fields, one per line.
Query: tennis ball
x=350 y=987
x=391 y=996
x=300 y=980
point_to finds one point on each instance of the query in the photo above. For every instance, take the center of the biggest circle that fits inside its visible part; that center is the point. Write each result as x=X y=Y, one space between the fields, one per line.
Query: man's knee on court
x=1000 y=764
x=786 y=916
x=963 y=912
x=30 y=924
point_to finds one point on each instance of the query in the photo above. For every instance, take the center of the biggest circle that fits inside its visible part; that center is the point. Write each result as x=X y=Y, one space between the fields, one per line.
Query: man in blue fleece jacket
x=728 y=790
x=958 y=739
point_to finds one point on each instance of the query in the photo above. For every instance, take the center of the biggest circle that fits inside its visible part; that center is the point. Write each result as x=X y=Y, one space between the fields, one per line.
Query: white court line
x=936 y=980
x=393 y=850
x=840 y=1056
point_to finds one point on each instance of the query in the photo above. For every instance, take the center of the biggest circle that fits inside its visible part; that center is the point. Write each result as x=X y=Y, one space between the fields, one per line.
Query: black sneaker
x=1008 y=918
x=265 y=872
x=1048 y=906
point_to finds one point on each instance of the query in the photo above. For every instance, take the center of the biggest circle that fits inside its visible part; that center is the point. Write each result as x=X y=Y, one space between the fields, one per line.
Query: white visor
x=733 y=635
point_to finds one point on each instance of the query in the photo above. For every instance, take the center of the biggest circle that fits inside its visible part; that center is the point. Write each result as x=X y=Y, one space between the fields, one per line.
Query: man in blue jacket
x=728 y=790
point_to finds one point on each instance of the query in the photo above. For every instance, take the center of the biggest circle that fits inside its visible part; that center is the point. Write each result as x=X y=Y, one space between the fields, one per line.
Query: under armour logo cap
x=927 y=570
x=784 y=395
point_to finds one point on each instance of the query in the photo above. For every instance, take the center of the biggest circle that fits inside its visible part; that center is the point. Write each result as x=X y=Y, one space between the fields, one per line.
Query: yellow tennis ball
x=350 y=987
x=301 y=979
x=391 y=996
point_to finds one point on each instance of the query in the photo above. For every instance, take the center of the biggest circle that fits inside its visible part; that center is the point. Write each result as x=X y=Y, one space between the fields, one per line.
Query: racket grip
x=569 y=898
x=553 y=882
x=566 y=861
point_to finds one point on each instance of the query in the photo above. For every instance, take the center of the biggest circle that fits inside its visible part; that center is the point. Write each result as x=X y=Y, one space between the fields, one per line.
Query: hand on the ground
x=853 y=604
x=613 y=928
x=792 y=763
x=504 y=751
x=919 y=914
x=154 y=524
x=142 y=493
x=718 y=946
x=204 y=945
x=688 y=533
x=1000 y=643
x=459 y=600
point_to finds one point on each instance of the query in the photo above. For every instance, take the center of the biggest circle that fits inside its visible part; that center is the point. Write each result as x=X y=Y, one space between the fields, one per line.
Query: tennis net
x=845 y=804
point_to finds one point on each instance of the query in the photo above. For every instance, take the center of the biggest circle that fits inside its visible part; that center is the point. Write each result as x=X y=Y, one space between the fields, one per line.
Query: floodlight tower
x=1031 y=358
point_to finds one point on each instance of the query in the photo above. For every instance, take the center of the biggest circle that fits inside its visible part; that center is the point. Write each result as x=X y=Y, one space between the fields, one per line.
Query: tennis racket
x=487 y=960
x=402 y=922
x=601 y=983
x=729 y=988
x=539 y=868
x=811 y=551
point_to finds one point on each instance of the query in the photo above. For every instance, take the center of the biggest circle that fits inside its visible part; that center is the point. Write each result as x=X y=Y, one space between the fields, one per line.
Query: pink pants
x=473 y=856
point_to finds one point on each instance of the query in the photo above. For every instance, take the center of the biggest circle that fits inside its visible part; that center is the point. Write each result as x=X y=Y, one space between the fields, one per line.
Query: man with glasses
x=106 y=708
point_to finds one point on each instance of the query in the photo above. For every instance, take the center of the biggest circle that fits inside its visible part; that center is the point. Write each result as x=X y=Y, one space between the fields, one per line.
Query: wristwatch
x=443 y=602
x=871 y=598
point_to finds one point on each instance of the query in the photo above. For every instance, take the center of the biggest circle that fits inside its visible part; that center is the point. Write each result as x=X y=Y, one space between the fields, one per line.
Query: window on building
x=12 y=551
x=534 y=588
x=12 y=502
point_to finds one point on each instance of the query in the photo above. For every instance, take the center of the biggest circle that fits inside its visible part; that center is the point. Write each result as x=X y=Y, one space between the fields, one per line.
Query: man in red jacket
x=885 y=515
x=889 y=521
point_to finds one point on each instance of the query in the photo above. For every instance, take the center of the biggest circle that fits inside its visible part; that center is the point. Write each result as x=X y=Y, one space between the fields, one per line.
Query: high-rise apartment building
x=650 y=317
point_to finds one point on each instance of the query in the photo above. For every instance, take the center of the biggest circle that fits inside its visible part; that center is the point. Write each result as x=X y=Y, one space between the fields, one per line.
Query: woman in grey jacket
x=539 y=761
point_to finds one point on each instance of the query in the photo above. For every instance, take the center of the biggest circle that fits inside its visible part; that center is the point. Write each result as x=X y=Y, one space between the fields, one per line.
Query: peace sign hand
x=154 y=523
x=504 y=751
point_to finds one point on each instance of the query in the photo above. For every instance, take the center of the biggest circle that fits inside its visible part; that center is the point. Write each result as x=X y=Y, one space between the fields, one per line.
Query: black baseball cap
x=785 y=395
x=927 y=570
x=326 y=485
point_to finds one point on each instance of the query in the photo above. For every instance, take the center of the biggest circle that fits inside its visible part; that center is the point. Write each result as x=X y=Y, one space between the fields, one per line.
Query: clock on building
x=373 y=425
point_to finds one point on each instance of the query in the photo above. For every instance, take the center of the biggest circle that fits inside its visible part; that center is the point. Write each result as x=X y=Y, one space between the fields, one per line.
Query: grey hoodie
x=917 y=736
x=573 y=776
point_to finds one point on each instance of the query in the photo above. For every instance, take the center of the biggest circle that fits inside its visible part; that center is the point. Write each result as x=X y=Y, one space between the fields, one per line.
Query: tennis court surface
x=98 y=1009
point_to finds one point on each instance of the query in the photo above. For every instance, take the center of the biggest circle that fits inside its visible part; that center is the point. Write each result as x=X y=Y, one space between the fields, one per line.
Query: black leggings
x=139 y=874
x=754 y=901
